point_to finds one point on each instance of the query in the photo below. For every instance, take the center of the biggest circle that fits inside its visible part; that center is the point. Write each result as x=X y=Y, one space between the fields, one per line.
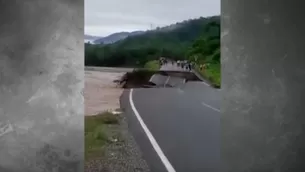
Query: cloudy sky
x=104 y=17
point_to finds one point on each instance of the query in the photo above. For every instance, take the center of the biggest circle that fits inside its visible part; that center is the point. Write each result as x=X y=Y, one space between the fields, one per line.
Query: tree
x=188 y=39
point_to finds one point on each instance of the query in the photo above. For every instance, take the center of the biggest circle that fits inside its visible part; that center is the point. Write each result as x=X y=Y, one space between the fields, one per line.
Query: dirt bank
x=101 y=93
x=118 y=151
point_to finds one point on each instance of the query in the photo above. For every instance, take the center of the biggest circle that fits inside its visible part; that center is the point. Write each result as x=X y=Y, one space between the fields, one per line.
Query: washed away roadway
x=177 y=129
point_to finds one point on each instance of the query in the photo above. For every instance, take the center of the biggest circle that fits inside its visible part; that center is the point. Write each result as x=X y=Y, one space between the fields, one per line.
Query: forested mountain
x=175 y=41
x=90 y=37
x=116 y=37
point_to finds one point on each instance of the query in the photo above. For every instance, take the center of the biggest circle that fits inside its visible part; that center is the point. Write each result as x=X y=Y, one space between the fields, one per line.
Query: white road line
x=180 y=90
x=215 y=109
x=151 y=138
x=205 y=83
x=152 y=77
x=167 y=80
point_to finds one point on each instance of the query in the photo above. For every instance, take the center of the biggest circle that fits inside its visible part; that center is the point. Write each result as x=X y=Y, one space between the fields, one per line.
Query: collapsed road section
x=149 y=79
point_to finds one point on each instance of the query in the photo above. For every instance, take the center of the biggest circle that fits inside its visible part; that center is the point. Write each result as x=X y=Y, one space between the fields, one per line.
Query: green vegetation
x=96 y=135
x=206 y=50
x=212 y=73
x=152 y=65
x=197 y=40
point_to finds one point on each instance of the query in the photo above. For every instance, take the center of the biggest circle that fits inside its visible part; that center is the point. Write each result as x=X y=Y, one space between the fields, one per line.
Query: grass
x=212 y=73
x=152 y=65
x=96 y=133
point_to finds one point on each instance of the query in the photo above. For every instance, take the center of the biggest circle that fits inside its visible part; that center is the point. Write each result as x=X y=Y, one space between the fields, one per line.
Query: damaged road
x=176 y=122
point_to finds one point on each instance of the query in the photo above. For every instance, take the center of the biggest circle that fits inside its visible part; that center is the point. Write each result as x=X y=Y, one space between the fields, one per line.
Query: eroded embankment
x=142 y=78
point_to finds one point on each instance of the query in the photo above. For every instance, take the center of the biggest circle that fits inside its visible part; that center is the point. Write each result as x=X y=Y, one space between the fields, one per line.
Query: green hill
x=192 y=39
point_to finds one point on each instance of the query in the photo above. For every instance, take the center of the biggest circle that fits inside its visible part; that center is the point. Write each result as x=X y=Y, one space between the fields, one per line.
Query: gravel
x=121 y=155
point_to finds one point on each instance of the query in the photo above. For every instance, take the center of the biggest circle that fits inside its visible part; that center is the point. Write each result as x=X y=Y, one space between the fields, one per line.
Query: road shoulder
x=118 y=151
x=148 y=152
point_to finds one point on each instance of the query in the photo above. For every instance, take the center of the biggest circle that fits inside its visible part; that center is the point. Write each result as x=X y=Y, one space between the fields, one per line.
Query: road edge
x=134 y=127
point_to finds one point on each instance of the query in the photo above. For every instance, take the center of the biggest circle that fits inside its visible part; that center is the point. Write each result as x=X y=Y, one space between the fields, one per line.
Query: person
x=201 y=67
x=190 y=66
x=161 y=61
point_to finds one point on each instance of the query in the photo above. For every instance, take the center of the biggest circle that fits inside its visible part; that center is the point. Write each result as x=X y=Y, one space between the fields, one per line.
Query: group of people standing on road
x=183 y=64
x=162 y=61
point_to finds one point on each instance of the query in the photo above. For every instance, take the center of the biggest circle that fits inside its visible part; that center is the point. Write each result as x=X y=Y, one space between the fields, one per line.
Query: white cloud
x=105 y=17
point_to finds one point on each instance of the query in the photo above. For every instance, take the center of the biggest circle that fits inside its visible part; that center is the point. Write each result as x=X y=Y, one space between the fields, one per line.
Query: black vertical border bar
x=263 y=79
x=41 y=84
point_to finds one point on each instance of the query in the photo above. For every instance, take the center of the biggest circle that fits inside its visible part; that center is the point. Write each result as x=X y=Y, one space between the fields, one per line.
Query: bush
x=152 y=65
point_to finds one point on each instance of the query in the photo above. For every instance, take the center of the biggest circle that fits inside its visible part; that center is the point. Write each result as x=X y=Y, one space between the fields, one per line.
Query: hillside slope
x=173 y=41
x=116 y=37
x=90 y=37
x=180 y=33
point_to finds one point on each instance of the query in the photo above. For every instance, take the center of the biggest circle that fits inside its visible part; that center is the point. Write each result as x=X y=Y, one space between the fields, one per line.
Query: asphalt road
x=175 y=67
x=172 y=67
x=178 y=129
